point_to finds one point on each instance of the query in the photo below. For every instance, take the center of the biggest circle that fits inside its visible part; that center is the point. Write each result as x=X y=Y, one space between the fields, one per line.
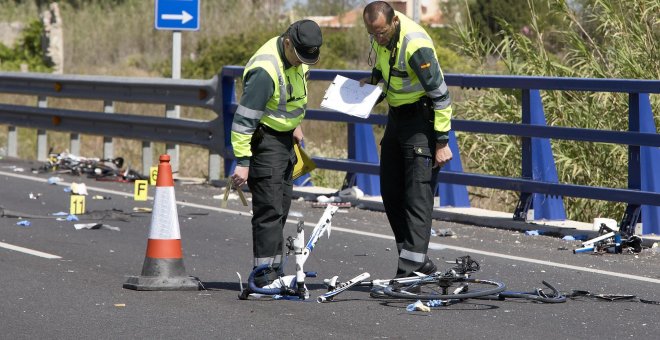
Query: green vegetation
x=26 y=51
x=627 y=35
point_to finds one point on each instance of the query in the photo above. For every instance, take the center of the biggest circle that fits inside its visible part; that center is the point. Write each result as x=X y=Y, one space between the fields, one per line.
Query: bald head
x=375 y=9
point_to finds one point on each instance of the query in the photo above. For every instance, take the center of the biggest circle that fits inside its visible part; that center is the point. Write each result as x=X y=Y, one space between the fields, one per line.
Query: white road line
x=432 y=245
x=28 y=251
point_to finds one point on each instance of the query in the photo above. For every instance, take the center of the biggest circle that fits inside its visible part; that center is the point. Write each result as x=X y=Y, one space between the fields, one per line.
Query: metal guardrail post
x=546 y=207
x=525 y=200
x=537 y=164
x=215 y=159
x=173 y=111
x=12 y=141
x=362 y=148
x=644 y=161
x=453 y=195
x=42 y=137
x=147 y=156
x=74 y=143
x=215 y=166
x=228 y=98
x=108 y=149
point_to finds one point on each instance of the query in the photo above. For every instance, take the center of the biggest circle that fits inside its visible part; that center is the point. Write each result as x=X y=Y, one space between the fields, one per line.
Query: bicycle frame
x=292 y=285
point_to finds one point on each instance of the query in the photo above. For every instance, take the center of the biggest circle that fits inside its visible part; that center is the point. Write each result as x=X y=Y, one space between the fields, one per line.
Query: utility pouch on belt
x=426 y=106
x=257 y=137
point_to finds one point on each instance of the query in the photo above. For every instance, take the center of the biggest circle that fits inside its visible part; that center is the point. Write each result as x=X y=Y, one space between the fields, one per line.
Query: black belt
x=274 y=132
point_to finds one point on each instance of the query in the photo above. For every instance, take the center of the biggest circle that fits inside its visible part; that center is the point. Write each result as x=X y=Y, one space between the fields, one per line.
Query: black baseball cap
x=307 y=40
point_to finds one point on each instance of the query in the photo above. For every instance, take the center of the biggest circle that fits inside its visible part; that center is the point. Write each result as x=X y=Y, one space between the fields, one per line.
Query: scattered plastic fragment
x=93 y=226
x=568 y=238
x=120 y=305
x=336 y=204
x=19 y=170
x=295 y=214
x=33 y=196
x=72 y=218
x=532 y=232
x=418 y=306
x=351 y=194
x=100 y=197
x=79 y=188
x=61 y=213
x=581 y=237
x=23 y=223
x=54 y=180
x=326 y=199
x=140 y=209
x=445 y=232
x=437 y=303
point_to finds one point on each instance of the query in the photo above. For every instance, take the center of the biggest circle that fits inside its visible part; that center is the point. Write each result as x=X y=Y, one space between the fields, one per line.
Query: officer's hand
x=365 y=81
x=240 y=176
x=442 y=154
x=298 y=135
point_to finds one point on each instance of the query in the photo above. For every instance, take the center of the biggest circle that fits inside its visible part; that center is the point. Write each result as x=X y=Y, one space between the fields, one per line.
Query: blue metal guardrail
x=538 y=186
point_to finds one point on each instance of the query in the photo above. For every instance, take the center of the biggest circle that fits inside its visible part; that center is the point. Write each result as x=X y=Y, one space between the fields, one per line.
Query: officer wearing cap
x=264 y=128
x=414 y=145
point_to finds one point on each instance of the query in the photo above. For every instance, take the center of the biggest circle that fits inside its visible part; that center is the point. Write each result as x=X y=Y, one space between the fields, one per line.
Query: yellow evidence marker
x=153 y=175
x=141 y=190
x=77 y=206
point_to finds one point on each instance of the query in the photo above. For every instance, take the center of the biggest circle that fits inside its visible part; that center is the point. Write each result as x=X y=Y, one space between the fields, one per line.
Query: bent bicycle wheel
x=441 y=290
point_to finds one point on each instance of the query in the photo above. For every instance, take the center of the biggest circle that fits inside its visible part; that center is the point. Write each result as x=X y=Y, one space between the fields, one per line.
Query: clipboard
x=347 y=96
x=304 y=163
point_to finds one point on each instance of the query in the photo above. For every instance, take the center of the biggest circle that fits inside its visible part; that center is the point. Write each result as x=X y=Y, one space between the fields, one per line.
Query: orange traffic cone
x=163 y=264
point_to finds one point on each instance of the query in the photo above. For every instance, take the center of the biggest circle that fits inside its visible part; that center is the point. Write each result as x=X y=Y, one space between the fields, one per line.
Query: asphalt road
x=80 y=294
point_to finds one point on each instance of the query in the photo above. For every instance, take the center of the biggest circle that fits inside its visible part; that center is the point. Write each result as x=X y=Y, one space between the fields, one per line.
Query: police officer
x=265 y=126
x=414 y=145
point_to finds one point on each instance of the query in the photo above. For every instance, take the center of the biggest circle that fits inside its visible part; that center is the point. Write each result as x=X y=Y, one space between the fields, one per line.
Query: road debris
x=100 y=197
x=54 y=180
x=94 y=226
x=79 y=188
x=418 y=306
x=445 y=232
x=337 y=204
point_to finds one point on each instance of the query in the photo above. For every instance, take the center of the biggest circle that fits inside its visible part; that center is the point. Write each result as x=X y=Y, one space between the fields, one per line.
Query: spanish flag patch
x=427 y=65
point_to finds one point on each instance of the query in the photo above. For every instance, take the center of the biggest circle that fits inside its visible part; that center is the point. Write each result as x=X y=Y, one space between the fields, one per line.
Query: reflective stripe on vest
x=269 y=54
x=281 y=106
x=403 y=65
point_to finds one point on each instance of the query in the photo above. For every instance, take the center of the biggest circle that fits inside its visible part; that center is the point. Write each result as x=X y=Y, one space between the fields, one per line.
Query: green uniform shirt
x=274 y=94
x=415 y=73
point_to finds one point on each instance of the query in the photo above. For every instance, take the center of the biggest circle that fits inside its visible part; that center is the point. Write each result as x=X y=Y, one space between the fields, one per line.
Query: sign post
x=176 y=15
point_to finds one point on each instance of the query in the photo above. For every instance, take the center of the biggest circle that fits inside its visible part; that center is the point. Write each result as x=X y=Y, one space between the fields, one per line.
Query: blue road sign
x=177 y=15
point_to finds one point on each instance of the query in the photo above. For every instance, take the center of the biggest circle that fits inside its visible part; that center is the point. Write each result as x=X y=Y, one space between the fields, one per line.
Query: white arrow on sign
x=184 y=17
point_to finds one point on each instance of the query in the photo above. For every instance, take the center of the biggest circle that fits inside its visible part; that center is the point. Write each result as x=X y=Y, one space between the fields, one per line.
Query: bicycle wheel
x=439 y=289
x=538 y=295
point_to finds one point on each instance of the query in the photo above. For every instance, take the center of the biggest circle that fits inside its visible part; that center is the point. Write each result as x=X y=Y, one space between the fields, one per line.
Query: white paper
x=347 y=96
